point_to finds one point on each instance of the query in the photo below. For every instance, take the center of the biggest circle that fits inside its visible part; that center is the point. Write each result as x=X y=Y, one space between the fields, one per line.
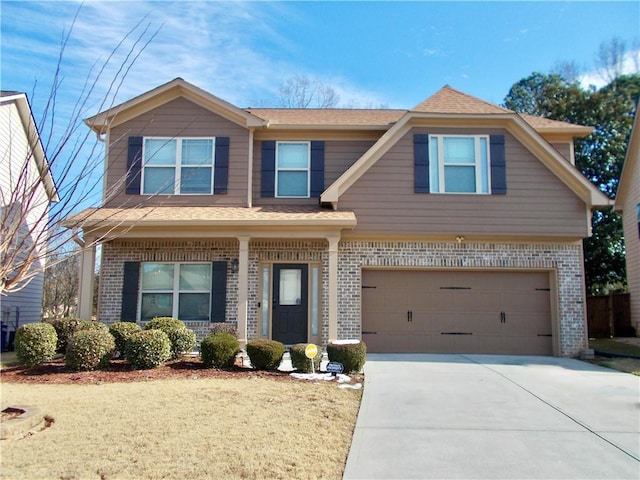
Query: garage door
x=457 y=312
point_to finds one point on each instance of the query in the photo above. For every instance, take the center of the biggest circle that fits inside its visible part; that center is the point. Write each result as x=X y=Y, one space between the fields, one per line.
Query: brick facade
x=563 y=259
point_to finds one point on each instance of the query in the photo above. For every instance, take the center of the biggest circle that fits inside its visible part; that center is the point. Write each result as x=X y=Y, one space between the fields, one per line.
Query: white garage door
x=457 y=312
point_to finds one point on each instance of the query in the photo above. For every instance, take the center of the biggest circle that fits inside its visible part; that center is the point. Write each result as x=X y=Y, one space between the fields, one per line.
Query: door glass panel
x=265 y=301
x=315 y=274
x=290 y=286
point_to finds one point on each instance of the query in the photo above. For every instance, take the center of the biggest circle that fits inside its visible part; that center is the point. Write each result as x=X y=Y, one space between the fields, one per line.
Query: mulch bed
x=55 y=372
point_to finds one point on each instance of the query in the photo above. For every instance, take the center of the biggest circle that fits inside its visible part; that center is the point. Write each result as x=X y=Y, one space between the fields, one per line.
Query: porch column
x=86 y=278
x=243 y=289
x=333 y=287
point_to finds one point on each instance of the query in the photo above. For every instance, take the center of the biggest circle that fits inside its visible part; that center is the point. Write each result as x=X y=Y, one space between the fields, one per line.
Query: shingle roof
x=212 y=216
x=450 y=100
x=328 y=116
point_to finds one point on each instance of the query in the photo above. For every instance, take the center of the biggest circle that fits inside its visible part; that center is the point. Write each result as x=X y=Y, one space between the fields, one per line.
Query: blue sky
x=372 y=53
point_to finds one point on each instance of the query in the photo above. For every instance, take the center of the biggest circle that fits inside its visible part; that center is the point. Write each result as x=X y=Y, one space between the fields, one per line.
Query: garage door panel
x=505 y=312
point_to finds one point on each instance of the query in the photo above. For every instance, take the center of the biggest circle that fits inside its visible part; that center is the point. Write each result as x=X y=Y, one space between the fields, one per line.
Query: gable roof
x=31 y=132
x=449 y=107
x=329 y=117
x=631 y=165
x=163 y=94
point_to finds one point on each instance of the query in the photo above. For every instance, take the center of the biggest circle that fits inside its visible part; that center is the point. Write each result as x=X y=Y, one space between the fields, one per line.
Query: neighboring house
x=455 y=226
x=26 y=185
x=628 y=202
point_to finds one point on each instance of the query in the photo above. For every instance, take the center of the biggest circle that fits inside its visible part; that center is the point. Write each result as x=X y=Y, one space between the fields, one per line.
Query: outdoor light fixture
x=234 y=265
x=459 y=239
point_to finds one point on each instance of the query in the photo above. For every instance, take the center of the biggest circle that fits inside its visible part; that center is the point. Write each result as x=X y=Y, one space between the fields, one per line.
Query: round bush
x=300 y=361
x=92 y=325
x=351 y=355
x=65 y=328
x=35 y=343
x=148 y=349
x=166 y=324
x=89 y=349
x=219 y=350
x=265 y=354
x=121 y=332
x=182 y=341
x=222 y=327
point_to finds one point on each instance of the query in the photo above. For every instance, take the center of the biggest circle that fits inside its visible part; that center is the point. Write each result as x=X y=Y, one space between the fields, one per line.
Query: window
x=179 y=290
x=459 y=164
x=178 y=165
x=292 y=169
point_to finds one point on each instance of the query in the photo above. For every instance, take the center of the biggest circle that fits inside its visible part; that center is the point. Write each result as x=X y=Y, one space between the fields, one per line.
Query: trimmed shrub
x=121 y=332
x=219 y=350
x=65 y=328
x=170 y=326
x=351 y=355
x=265 y=354
x=300 y=361
x=148 y=349
x=222 y=327
x=90 y=349
x=182 y=341
x=35 y=343
x=92 y=326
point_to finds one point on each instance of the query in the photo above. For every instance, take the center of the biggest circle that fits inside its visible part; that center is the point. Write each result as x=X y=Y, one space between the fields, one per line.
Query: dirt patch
x=119 y=371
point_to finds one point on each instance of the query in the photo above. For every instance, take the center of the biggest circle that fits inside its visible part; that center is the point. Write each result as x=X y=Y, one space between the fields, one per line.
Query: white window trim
x=177 y=164
x=477 y=164
x=175 y=291
x=308 y=169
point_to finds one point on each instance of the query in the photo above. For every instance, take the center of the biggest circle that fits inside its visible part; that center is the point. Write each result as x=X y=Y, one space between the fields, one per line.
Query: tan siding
x=632 y=245
x=564 y=149
x=178 y=118
x=339 y=155
x=537 y=203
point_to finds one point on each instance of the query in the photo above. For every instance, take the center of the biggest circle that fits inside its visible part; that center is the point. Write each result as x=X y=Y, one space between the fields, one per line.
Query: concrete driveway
x=484 y=416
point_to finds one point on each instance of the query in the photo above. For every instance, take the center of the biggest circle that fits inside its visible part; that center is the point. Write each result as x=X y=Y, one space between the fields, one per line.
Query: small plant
x=300 y=361
x=222 y=327
x=65 y=328
x=351 y=354
x=265 y=354
x=148 y=349
x=182 y=341
x=170 y=326
x=90 y=349
x=121 y=332
x=219 y=350
x=35 y=343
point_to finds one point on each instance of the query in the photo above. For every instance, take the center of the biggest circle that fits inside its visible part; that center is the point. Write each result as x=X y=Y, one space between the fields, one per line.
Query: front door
x=290 y=305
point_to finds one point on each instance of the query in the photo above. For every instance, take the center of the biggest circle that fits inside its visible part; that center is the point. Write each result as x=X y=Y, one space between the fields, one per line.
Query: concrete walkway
x=482 y=416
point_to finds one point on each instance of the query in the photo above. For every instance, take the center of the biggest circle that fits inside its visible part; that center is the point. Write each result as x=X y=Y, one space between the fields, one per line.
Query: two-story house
x=26 y=192
x=455 y=226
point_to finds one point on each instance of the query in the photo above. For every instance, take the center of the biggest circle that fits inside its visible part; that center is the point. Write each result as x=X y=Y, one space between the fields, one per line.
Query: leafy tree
x=599 y=156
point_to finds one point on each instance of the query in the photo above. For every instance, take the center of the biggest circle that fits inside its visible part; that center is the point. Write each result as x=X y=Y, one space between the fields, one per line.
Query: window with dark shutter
x=134 y=166
x=268 y=177
x=317 y=169
x=130 y=282
x=498 y=165
x=219 y=291
x=421 y=163
x=221 y=167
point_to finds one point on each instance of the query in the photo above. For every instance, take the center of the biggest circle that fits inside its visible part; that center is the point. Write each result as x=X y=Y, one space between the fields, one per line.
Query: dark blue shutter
x=219 y=291
x=129 y=312
x=498 y=165
x=221 y=174
x=268 y=177
x=134 y=166
x=421 y=162
x=317 y=169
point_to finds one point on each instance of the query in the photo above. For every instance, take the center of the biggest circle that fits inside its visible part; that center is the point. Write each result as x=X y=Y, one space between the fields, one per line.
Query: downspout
x=250 y=173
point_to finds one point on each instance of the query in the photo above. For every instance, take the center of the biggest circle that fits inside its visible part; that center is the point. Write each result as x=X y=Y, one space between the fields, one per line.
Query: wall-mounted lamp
x=234 y=265
x=459 y=239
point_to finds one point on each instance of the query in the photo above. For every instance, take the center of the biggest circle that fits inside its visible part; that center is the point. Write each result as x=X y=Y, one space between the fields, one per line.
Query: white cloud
x=599 y=78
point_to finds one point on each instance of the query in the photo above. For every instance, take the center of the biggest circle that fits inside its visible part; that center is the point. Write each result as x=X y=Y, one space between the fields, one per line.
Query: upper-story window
x=178 y=165
x=459 y=164
x=292 y=169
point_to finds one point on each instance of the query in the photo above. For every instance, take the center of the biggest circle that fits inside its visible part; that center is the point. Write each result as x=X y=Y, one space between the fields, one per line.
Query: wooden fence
x=609 y=316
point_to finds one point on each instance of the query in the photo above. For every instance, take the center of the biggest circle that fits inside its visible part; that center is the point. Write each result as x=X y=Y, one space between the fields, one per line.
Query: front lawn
x=193 y=428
